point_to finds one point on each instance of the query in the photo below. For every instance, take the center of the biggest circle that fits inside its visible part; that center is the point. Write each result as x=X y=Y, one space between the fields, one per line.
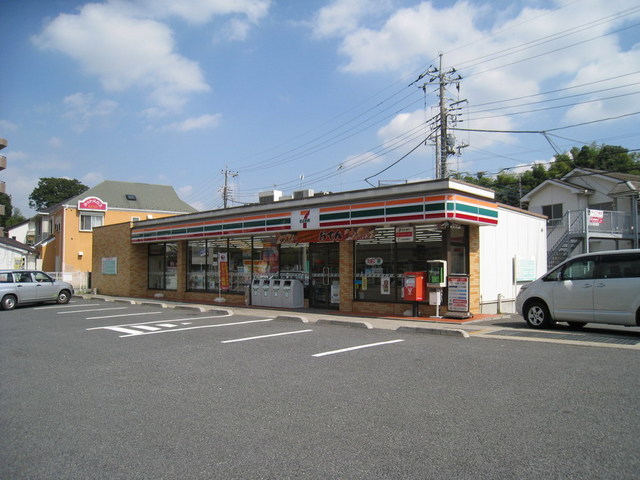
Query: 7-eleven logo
x=304 y=218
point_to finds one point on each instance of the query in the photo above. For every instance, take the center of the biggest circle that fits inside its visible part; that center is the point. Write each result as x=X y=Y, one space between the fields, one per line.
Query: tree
x=51 y=191
x=510 y=187
x=15 y=218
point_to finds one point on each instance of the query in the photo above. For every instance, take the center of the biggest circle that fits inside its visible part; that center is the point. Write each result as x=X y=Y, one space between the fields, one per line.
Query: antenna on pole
x=226 y=190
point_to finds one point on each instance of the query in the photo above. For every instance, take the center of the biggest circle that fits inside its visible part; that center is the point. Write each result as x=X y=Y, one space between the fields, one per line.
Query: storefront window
x=380 y=263
x=239 y=264
x=266 y=256
x=458 y=249
x=163 y=266
x=375 y=272
x=294 y=261
x=202 y=264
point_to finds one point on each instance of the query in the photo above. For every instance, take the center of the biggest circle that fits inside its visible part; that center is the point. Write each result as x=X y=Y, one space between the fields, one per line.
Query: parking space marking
x=358 y=347
x=265 y=336
x=124 y=315
x=68 y=305
x=93 y=310
x=151 y=328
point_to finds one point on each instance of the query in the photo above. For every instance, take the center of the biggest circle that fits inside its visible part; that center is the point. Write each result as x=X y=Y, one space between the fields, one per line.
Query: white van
x=602 y=287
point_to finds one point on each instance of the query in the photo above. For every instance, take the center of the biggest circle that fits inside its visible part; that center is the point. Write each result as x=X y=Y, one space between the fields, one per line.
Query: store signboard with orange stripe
x=418 y=210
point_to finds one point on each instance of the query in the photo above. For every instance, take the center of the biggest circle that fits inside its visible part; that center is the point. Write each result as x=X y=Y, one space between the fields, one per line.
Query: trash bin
x=276 y=292
x=292 y=294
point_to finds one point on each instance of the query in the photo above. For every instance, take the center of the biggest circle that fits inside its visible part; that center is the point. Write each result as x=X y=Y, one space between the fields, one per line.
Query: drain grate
x=576 y=337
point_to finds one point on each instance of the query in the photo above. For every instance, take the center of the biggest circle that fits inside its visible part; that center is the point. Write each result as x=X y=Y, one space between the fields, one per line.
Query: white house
x=14 y=254
x=588 y=210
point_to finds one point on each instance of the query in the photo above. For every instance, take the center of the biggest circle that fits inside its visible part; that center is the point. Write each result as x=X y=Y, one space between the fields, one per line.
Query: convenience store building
x=349 y=251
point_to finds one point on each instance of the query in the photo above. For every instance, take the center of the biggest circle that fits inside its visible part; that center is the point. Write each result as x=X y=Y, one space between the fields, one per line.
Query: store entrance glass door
x=325 y=275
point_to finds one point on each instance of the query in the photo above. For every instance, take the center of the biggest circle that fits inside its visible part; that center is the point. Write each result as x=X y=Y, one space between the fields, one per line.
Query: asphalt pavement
x=431 y=325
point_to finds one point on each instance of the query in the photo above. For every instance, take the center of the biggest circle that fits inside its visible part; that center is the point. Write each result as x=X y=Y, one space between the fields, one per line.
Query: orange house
x=64 y=232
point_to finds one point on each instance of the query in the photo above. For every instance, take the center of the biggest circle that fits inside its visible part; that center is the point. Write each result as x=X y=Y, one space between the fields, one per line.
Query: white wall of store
x=517 y=235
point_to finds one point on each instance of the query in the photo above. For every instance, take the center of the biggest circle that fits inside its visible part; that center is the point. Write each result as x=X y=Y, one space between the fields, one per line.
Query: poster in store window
x=223 y=270
x=385 y=285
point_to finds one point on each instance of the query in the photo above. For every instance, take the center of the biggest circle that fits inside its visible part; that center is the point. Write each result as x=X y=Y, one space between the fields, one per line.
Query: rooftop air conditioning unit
x=303 y=194
x=269 y=196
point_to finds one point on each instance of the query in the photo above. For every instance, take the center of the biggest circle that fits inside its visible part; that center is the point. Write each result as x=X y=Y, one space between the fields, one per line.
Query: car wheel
x=64 y=296
x=577 y=324
x=9 y=302
x=536 y=314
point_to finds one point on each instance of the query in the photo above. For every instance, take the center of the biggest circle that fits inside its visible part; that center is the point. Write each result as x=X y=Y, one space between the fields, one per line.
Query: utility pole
x=225 y=190
x=445 y=143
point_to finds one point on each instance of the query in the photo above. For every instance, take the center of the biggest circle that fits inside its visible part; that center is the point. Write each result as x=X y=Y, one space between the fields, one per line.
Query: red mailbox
x=414 y=286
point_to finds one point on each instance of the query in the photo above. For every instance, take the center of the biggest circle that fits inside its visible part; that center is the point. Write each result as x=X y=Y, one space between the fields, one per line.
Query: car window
x=25 y=277
x=6 y=278
x=553 y=275
x=619 y=266
x=582 y=269
x=42 y=277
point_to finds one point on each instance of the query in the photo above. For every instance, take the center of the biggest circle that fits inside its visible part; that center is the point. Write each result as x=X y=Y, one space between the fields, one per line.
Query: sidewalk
x=433 y=325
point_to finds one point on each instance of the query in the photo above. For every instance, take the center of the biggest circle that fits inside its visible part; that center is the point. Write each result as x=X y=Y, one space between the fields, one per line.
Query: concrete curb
x=153 y=304
x=191 y=307
x=358 y=324
x=455 y=332
x=291 y=318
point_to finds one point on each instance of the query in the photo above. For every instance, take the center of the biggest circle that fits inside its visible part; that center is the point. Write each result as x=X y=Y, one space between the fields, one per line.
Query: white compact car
x=602 y=287
x=18 y=287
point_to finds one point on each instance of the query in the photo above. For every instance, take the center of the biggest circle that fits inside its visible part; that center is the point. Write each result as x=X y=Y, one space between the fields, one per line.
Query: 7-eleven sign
x=307 y=219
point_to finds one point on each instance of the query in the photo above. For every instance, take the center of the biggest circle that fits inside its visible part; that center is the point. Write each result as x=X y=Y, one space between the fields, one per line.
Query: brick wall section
x=346 y=275
x=112 y=241
x=474 y=268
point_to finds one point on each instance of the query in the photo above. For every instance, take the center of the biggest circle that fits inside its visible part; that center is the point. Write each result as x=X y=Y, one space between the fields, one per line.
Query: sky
x=288 y=95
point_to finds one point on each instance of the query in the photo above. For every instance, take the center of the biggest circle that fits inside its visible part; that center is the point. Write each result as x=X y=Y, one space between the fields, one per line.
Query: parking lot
x=98 y=389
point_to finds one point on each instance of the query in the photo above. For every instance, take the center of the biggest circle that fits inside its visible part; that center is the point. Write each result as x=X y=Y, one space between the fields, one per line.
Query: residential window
x=88 y=221
x=552 y=211
x=163 y=266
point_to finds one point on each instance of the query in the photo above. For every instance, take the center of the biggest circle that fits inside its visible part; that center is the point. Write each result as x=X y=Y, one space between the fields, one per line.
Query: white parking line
x=124 y=315
x=265 y=336
x=93 y=310
x=68 y=305
x=342 y=350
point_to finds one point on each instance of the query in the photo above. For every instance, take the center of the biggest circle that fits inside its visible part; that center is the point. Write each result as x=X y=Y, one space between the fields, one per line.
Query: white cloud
x=8 y=126
x=55 y=142
x=195 y=11
x=342 y=17
x=92 y=178
x=125 y=52
x=616 y=67
x=82 y=108
x=203 y=122
x=500 y=55
x=126 y=46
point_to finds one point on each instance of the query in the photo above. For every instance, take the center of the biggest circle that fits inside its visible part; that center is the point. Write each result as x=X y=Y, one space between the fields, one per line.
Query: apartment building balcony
x=578 y=230
x=3 y=162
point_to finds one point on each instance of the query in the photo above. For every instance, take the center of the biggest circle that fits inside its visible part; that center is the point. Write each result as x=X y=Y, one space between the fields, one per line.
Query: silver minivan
x=18 y=287
x=602 y=287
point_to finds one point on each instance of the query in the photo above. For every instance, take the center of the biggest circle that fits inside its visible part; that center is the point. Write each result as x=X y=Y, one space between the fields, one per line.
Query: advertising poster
x=458 y=293
x=223 y=270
